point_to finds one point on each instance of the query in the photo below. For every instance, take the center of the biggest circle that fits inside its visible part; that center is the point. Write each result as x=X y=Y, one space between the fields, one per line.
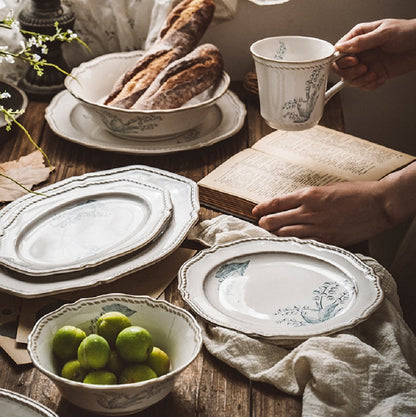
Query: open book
x=282 y=162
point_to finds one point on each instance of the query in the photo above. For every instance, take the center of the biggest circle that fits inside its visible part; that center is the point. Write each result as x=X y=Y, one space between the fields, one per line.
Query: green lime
x=73 y=370
x=159 y=361
x=66 y=341
x=115 y=364
x=110 y=324
x=134 y=344
x=135 y=373
x=93 y=352
x=100 y=377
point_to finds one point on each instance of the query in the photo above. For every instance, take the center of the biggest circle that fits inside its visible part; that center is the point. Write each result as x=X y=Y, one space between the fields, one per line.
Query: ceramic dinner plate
x=185 y=207
x=68 y=118
x=13 y=404
x=280 y=288
x=70 y=229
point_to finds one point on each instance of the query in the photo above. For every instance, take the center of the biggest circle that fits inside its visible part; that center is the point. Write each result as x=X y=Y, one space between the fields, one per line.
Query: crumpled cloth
x=369 y=370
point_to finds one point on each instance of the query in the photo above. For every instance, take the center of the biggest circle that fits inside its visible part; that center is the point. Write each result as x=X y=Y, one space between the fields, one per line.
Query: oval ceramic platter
x=185 y=207
x=280 y=288
x=71 y=229
x=13 y=404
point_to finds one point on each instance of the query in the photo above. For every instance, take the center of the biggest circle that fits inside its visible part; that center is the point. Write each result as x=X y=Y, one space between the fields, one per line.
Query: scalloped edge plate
x=71 y=229
x=280 y=288
x=13 y=404
x=184 y=197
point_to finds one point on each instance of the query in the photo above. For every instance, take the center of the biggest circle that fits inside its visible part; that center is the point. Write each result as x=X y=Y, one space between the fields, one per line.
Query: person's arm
x=345 y=213
x=379 y=50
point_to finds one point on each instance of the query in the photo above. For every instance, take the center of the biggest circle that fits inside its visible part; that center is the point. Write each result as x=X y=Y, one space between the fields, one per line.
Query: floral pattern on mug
x=299 y=109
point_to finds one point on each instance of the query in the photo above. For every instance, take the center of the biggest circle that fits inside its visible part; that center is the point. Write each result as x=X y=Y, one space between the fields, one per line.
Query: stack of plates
x=94 y=228
x=281 y=289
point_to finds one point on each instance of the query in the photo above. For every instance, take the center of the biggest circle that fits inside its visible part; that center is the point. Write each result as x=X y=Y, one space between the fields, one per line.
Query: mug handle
x=340 y=84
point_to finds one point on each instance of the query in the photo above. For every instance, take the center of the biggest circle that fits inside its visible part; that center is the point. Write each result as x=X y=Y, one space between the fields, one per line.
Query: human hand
x=341 y=214
x=379 y=50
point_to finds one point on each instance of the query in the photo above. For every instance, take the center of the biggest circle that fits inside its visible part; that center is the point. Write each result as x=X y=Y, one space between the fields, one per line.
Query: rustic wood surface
x=208 y=387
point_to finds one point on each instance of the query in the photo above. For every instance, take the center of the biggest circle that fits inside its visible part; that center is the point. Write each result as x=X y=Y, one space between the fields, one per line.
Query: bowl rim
x=224 y=83
x=22 y=94
x=94 y=387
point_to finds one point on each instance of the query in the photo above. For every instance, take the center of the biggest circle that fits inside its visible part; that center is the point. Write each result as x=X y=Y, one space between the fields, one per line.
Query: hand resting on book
x=344 y=213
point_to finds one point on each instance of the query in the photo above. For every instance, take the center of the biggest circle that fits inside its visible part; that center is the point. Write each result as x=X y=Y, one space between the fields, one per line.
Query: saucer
x=69 y=119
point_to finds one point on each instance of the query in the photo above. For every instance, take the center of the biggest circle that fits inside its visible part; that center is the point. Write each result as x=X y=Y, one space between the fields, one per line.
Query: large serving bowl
x=173 y=329
x=92 y=81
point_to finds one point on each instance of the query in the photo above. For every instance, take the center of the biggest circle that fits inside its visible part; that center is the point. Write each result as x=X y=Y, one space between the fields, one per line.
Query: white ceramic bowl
x=92 y=81
x=173 y=329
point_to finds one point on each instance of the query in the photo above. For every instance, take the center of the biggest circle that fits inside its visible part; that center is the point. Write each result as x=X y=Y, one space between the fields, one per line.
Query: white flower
x=5 y=95
x=15 y=26
x=36 y=57
x=31 y=41
x=9 y=59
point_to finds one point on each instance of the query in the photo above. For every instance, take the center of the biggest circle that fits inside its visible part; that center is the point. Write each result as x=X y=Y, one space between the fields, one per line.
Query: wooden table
x=208 y=387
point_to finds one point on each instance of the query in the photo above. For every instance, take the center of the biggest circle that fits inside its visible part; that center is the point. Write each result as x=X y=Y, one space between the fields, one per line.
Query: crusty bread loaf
x=182 y=31
x=131 y=85
x=183 y=79
x=186 y=23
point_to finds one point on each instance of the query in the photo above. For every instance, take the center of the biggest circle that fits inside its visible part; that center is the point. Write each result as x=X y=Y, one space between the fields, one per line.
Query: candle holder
x=40 y=17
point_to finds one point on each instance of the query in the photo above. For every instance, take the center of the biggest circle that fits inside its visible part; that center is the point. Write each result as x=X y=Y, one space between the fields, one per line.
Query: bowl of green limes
x=115 y=354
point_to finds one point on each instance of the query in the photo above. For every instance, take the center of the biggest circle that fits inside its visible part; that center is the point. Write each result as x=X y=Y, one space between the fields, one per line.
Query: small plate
x=76 y=228
x=13 y=404
x=68 y=118
x=184 y=197
x=280 y=288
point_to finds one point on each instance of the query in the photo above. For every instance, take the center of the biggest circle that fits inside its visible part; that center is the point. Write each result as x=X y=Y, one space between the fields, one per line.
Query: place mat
x=18 y=316
x=369 y=370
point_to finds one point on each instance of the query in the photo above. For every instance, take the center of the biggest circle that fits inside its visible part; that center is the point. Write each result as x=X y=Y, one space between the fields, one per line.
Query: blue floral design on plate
x=226 y=270
x=329 y=301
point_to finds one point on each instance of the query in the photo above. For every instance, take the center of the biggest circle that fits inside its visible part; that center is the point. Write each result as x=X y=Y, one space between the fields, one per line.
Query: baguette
x=183 y=79
x=131 y=85
x=183 y=29
x=186 y=23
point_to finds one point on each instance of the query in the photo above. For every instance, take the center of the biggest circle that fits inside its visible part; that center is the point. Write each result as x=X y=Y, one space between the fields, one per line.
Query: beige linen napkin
x=366 y=371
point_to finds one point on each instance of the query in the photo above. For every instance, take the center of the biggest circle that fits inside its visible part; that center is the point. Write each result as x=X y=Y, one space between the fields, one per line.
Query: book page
x=259 y=177
x=340 y=154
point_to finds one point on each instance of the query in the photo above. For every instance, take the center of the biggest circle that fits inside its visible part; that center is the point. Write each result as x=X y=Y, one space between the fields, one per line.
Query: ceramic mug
x=292 y=74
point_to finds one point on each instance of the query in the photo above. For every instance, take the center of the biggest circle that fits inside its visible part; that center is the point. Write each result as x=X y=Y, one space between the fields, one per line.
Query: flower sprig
x=10 y=117
x=29 y=47
x=35 y=40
